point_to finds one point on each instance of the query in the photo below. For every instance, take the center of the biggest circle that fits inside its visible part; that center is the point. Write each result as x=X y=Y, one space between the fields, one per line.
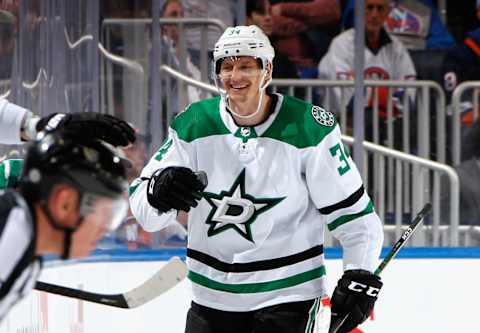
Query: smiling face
x=241 y=78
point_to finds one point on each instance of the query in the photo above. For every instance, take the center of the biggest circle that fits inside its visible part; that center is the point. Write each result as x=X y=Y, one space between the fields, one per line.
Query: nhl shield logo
x=245 y=132
x=322 y=116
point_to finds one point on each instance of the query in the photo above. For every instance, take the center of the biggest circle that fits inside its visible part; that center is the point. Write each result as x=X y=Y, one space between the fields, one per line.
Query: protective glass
x=109 y=212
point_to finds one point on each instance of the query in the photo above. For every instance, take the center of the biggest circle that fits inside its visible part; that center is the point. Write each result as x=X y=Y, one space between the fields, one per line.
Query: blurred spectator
x=302 y=30
x=471 y=143
x=259 y=13
x=122 y=9
x=462 y=63
x=171 y=51
x=469 y=176
x=385 y=56
x=223 y=10
x=415 y=22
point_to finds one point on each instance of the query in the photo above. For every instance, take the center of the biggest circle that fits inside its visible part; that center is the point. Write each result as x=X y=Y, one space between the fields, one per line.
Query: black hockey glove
x=90 y=125
x=175 y=188
x=353 y=300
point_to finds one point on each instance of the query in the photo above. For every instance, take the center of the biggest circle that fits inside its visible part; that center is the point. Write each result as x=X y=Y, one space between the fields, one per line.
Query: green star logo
x=235 y=209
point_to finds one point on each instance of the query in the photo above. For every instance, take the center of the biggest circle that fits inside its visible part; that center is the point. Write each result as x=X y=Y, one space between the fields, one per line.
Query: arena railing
x=5 y=88
x=151 y=53
x=442 y=229
x=426 y=180
x=393 y=101
x=459 y=102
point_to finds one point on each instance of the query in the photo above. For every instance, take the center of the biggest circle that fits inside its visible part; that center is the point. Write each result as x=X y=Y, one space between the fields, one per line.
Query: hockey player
x=278 y=175
x=69 y=194
x=18 y=124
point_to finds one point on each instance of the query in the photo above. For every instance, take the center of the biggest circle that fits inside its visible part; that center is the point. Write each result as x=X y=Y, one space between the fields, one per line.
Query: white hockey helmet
x=243 y=41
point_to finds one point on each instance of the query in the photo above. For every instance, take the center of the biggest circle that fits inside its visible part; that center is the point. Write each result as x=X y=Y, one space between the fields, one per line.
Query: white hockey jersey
x=256 y=237
x=11 y=117
x=391 y=62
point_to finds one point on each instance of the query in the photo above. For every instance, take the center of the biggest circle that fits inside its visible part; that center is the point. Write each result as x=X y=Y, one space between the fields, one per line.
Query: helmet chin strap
x=68 y=232
x=261 y=90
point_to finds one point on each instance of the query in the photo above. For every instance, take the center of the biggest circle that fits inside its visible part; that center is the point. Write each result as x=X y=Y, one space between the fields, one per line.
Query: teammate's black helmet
x=89 y=166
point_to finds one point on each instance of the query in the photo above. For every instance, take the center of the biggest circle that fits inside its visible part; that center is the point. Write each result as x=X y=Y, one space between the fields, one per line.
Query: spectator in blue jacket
x=462 y=63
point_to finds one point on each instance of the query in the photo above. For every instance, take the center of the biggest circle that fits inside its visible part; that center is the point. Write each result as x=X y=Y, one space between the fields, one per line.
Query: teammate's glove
x=90 y=125
x=175 y=188
x=353 y=300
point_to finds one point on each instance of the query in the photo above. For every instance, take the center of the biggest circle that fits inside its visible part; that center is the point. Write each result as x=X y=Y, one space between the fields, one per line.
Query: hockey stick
x=167 y=277
x=393 y=252
x=403 y=239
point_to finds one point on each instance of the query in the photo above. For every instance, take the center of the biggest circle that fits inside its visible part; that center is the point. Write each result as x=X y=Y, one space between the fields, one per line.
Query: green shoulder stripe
x=200 y=120
x=10 y=172
x=134 y=185
x=301 y=124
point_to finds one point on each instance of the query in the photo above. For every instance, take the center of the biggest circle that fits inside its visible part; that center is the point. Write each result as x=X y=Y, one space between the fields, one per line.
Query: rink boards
x=426 y=290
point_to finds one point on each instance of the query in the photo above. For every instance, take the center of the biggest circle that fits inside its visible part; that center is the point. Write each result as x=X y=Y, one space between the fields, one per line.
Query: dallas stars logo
x=235 y=209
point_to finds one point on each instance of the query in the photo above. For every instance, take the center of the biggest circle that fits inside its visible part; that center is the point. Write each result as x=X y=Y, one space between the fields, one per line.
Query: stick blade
x=166 y=278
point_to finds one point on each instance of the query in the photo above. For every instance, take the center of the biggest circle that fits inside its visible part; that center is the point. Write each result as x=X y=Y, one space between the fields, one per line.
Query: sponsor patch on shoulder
x=322 y=116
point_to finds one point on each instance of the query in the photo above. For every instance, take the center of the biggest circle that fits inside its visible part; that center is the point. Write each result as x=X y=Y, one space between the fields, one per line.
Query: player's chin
x=238 y=95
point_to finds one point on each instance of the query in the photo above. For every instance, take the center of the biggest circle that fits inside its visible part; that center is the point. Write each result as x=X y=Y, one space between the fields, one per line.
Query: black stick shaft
x=115 y=300
x=405 y=236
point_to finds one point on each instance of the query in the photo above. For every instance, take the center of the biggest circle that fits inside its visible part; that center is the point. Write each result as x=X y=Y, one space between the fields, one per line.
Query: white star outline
x=218 y=219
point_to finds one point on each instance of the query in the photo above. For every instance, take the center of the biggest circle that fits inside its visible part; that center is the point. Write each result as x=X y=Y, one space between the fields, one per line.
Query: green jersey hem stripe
x=347 y=218
x=251 y=288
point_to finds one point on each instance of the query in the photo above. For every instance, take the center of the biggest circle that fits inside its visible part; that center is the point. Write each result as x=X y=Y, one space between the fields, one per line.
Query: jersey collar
x=227 y=118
